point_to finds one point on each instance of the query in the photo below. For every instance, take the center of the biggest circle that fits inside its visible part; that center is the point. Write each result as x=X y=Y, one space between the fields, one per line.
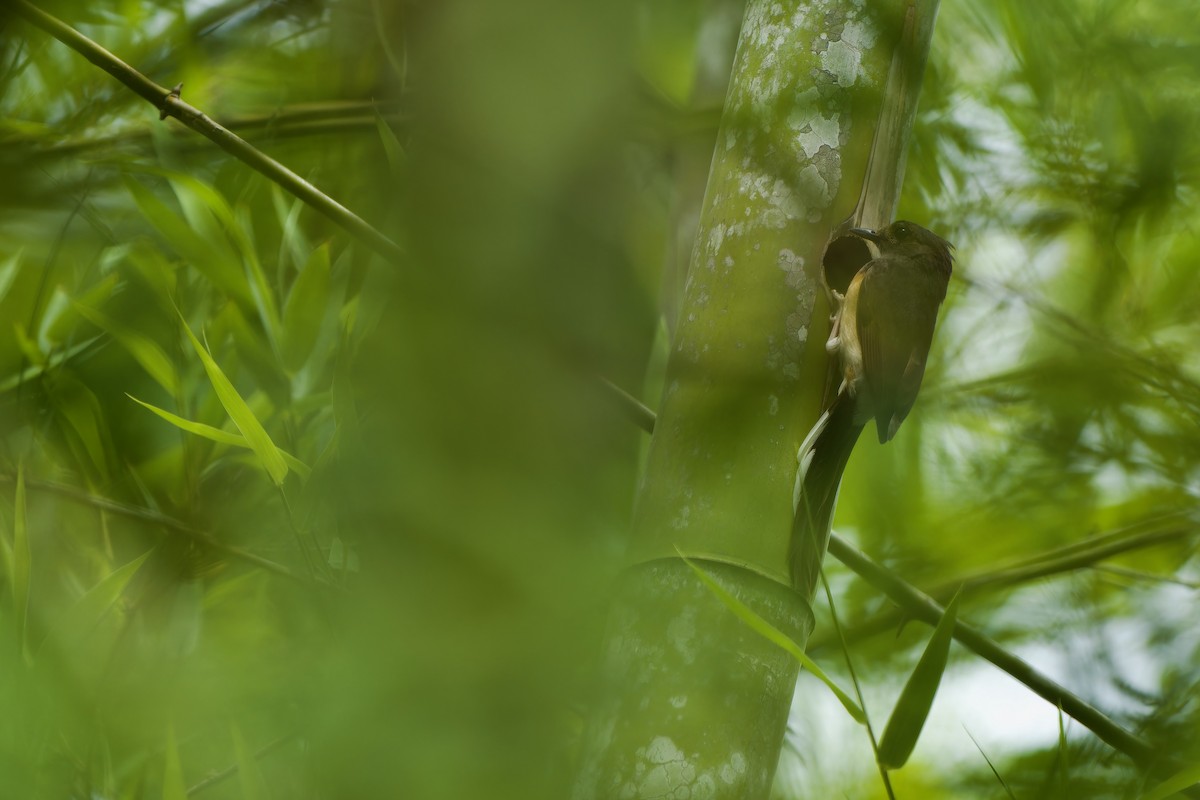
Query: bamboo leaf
x=392 y=148
x=22 y=557
x=86 y=614
x=237 y=409
x=212 y=257
x=912 y=709
x=293 y=243
x=1184 y=779
x=305 y=309
x=219 y=436
x=773 y=634
x=86 y=430
x=145 y=351
x=59 y=322
x=174 y=787
x=8 y=272
x=260 y=287
x=249 y=775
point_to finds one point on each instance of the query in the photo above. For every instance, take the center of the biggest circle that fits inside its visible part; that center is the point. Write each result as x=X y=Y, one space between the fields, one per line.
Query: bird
x=880 y=338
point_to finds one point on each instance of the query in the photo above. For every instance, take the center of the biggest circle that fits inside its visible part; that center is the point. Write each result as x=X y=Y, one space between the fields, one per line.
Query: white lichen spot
x=664 y=771
x=815 y=191
x=716 y=236
x=843 y=62
x=813 y=130
x=773 y=405
x=729 y=261
x=793 y=266
x=705 y=788
x=784 y=205
x=799 y=19
x=679 y=701
x=681 y=633
x=859 y=34
x=682 y=519
x=734 y=770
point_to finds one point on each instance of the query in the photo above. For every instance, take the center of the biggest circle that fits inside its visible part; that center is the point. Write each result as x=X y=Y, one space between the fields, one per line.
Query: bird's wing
x=895 y=330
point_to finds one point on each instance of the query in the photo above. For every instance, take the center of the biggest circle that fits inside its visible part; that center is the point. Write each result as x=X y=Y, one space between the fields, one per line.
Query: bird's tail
x=823 y=458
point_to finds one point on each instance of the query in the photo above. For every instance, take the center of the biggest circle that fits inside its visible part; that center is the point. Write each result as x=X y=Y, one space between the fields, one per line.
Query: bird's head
x=910 y=239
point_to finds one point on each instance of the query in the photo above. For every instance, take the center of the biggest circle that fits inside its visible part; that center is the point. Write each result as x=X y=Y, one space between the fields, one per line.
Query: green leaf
x=210 y=214
x=85 y=615
x=912 y=709
x=1185 y=778
x=260 y=287
x=220 y=436
x=29 y=348
x=86 y=429
x=145 y=351
x=305 y=309
x=293 y=244
x=249 y=775
x=174 y=787
x=41 y=365
x=8 y=272
x=22 y=560
x=237 y=409
x=211 y=256
x=773 y=634
x=202 y=205
x=392 y=148
x=154 y=269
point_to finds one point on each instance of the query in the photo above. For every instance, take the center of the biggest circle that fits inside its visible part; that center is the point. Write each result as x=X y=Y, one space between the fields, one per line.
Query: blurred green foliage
x=412 y=612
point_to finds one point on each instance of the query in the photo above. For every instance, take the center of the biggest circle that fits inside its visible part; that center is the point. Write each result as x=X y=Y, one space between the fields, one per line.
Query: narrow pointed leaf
x=218 y=435
x=260 y=287
x=773 y=634
x=1175 y=784
x=392 y=148
x=144 y=350
x=256 y=435
x=305 y=309
x=86 y=430
x=8 y=272
x=293 y=244
x=87 y=613
x=211 y=257
x=912 y=709
x=249 y=775
x=22 y=560
x=174 y=787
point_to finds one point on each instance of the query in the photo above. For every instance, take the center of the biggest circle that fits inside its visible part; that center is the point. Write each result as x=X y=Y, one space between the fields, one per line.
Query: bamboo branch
x=169 y=104
x=920 y=606
x=1086 y=554
x=289 y=121
x=154 y=518
x=232 y=769
x=923 y=607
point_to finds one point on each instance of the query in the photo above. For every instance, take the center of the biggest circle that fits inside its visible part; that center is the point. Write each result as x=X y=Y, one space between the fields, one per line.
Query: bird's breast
x=850 y=348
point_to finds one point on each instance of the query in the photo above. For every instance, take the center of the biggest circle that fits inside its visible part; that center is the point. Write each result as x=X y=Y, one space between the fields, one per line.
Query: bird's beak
x=868 y=234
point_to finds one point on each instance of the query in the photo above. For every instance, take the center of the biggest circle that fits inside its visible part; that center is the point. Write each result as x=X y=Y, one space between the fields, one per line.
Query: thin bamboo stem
x=169 y=104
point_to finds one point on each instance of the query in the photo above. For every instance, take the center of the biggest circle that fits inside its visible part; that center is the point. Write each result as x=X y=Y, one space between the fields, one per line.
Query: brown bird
x=881 y=337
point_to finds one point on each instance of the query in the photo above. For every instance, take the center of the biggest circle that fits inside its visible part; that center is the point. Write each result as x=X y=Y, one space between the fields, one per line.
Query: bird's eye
x=902 y=232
